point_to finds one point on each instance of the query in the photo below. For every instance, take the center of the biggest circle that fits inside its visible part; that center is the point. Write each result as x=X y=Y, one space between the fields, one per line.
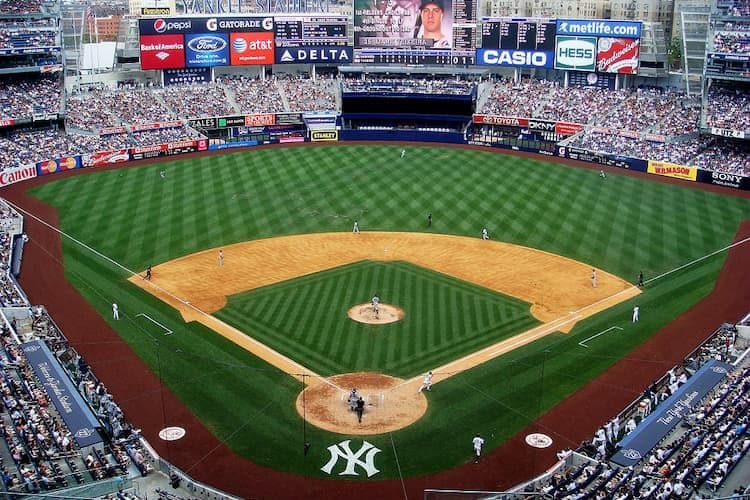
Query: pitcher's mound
x=364 y=313
x=390 y=404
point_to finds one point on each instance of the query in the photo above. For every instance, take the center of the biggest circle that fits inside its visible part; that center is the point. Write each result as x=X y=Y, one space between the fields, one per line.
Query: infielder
x=593 y=278
x=636 y=312
x=356 y=227
x=477 y=442
x=375 y=302
x=221 y=258
x=426 y=382
x=115 y=311
x=485 y=234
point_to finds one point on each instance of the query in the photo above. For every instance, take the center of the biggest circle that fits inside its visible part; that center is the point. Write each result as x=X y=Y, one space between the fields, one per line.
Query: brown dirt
x=390 y=404
x=207 y=459
x=364 y=313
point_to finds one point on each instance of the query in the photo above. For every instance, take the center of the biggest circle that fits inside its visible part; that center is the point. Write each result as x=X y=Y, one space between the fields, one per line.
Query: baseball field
x=237 y=343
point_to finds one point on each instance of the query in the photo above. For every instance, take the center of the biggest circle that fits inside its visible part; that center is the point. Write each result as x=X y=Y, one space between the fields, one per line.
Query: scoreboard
x=311 y=31
x=519 y=34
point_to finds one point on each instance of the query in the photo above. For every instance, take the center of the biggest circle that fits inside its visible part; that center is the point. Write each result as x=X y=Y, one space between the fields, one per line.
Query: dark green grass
x=446 y=319
x=619 y=224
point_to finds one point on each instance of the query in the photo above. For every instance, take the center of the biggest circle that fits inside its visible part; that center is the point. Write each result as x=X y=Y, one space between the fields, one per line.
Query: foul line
x=303 y=369
x=169 y=332
x=736 y=243
x=583 y=342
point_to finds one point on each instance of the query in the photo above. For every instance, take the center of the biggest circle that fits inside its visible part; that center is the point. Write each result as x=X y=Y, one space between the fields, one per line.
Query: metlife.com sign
x=598 y=27
x=515 y=58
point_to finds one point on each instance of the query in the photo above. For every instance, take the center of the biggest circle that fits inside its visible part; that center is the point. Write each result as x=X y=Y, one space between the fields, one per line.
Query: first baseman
x=593 y=278
x=426 y=382
x=221 y=258
x=355 y=229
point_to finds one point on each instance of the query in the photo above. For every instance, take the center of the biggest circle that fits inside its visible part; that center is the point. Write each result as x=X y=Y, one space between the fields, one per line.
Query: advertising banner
x=618 y=55
x=207 y=49
x=112 y=130
x=575 y=52
x=162 y=52
x=725 y=132
x=197 y=25
x=563 y=128
x=230 y=145
x=655 y=137
x=63 y=393
x=51 y=166
x=155 y=11
x=306 y=55
x=506 y=121
x=636 y=446
x=722 y=178
x=599 y=27
x=7 y=123
x=672 y=170
x=102 y=158
x=292 y=138
x=156 y=125
x=204 y=123
x=289 y=119
x=259 y=120
x=144 y=152
x=251 y=48
x=515 y=58
x=12 y=175
x=324 y=135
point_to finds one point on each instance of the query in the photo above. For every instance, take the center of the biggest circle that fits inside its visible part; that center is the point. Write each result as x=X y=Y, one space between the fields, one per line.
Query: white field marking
x=541 y=333
x=583 y=342
x=736 y=243
x=169 y=332
x=303 y=370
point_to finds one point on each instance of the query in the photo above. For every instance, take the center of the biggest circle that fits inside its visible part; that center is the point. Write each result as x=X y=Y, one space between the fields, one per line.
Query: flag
x=90 y=18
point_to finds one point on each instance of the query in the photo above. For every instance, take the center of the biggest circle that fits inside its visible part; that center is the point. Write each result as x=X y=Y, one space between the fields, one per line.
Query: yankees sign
x=353 y=460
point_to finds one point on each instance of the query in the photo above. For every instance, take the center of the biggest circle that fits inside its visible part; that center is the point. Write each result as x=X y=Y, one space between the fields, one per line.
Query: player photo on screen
x=403 y=24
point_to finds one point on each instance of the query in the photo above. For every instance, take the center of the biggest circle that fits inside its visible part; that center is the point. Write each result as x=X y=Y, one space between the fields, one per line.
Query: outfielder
x=115 y=311
x=636 y=312
x=403 y=153
x=426 y=382
x=477 y=442
x=355 y=229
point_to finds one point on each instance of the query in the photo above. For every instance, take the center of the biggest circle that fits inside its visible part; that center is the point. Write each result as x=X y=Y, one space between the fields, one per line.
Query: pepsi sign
x=161 y=26
x=306 y=55
x=515 y=58
x=207 y=49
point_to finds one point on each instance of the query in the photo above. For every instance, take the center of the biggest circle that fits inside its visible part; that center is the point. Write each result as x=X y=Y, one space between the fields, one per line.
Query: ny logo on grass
x=342 y=450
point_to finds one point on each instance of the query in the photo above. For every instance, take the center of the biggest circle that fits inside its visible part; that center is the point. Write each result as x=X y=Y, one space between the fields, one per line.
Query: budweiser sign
x=618 y=55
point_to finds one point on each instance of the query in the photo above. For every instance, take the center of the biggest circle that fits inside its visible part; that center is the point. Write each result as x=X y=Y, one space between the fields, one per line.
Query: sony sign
x=514 y=58
x=724 y=179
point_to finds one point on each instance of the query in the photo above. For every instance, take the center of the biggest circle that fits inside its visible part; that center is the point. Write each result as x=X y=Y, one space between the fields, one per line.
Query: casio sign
x=161 y=26
x=526 y=58
x=207 y=44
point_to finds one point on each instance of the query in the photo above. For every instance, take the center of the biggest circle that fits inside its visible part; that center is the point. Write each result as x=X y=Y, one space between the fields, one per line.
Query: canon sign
x=517 y=58
x=13 y=175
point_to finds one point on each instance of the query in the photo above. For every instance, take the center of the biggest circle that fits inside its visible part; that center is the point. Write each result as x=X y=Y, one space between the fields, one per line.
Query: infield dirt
x=559 y=290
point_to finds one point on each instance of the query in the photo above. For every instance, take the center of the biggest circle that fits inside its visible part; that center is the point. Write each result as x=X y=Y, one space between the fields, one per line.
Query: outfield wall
x=105 y=158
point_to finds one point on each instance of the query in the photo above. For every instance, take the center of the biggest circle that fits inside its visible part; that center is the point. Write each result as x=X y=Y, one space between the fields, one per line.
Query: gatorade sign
x=575 y=53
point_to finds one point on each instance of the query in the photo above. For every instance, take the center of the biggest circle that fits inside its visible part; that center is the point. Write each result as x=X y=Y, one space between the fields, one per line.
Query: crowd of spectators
x=304 y=94
x=198 y=101
x=162 y=136
x=694 y=459
x=101 y=108
x=724 y=156
x=27 y=38
x=520 y=99
x=20 y=6
x=10 y=295
x=24 y=97
x=254 y=95
x=580 y=104
x=739 y=8
x=728 y=108
x=653 y=110
x=731 y=42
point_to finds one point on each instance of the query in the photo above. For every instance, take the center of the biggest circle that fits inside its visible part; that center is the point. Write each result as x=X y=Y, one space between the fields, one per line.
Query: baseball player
x=148 y=273
x=403 y=153
x=115 y=311
x=429 y=220
x=602 y=175
x=356 y=227
x=640 y=279
x=375 y=302
x=426 y=382
x=636 y=312
x=477 y=442
x=163 y=174
x=485 y=234
x=221 y=258
x=593 y=278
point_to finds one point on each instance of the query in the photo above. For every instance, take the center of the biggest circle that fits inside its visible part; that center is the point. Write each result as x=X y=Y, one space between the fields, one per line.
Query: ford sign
x=207 y=44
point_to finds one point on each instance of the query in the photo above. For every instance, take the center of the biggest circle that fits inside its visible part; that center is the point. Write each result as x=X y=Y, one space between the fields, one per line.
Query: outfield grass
x=445 y=319
x=619 y=224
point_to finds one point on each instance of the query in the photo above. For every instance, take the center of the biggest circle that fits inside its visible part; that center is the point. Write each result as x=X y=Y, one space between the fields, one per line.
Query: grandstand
x=51 y=121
